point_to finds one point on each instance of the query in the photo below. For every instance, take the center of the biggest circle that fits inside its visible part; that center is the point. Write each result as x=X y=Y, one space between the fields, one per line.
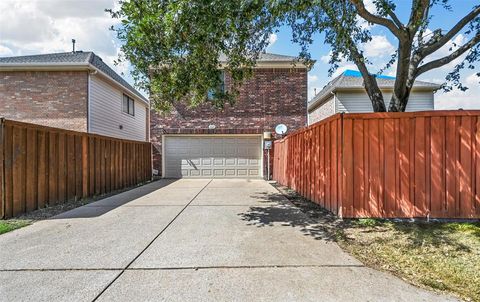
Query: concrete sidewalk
x=188 y=240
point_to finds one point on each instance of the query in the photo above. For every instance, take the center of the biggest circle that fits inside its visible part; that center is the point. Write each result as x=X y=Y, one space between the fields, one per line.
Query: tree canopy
x=175 y=45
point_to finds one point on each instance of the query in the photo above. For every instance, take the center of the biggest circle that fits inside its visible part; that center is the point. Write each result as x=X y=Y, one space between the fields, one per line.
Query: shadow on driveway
x=308 y=217
x=98 y=207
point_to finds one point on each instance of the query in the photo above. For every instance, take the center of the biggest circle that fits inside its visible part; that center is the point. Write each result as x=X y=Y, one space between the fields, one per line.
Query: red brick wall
x=270 y=97
x=50 y=98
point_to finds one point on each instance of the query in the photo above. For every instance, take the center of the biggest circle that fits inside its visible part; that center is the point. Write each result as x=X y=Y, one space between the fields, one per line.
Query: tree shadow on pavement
x=292 y=210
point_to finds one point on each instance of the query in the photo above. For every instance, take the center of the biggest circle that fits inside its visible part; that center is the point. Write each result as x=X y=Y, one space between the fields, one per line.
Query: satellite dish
x=280 y=129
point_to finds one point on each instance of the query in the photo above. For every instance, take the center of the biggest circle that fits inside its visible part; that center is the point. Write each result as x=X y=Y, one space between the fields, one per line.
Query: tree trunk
x=403 y=79
x=398 y=102
x=374 y=93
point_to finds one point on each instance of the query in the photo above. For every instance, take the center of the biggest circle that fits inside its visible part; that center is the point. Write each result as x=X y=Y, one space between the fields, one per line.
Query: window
x=128 y=105
x=221 y=88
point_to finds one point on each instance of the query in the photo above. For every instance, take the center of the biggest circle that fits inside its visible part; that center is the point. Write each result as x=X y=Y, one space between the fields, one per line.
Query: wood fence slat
x=437 y=183
x=53 y=168
x=62 y=167
x=71 y=185
x=420 y=166
x=374 y=169
x=450 y=185
x=347 y=175
x=19 y=167
x=466 y=200
x=2 y=169
x=91 y=166
x=31 y=170
x=78 y=168
x=359 y=169
x=477 y=166
x=389 y=183
x=8 y=154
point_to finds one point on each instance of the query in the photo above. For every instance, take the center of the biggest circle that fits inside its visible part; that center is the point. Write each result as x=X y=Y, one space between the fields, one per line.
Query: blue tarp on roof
x=357 y=74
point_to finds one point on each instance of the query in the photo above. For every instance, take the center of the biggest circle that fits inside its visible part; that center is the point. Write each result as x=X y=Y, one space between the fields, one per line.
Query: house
x=209 y=142
x=73 y=90
x=346 y=93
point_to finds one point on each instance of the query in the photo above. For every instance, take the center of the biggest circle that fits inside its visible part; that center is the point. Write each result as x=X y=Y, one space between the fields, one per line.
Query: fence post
x=340 y=173
x=2 y=169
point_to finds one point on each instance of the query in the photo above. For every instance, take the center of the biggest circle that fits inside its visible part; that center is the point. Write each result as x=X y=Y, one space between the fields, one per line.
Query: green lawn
x=12 y=224
x=440 y=256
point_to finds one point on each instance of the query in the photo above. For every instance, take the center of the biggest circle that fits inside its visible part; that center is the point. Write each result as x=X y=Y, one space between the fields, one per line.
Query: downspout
x=334 y=102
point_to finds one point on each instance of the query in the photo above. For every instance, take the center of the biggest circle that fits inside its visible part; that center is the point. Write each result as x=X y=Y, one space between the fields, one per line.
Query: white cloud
x=45 y=26
x=472 y=80
x=272 y=39
x=313 y=85
x=326 y=58
x=5 y=51
x=342 y=65
x=379 y=46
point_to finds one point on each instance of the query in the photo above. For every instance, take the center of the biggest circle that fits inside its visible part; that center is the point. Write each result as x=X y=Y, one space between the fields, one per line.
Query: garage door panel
x=203 y=156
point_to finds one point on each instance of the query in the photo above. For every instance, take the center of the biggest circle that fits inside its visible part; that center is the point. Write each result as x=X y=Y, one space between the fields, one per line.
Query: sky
x=46 y=26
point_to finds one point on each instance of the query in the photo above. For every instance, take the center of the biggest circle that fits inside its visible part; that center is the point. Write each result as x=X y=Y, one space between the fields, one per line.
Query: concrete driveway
x=188 y=240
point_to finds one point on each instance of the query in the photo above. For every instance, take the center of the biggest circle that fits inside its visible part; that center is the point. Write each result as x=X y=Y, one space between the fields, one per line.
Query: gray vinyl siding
x=357 y=102
x=106 y=115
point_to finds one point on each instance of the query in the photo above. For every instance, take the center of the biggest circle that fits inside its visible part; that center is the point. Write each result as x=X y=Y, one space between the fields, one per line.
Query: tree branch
x=419 y=12
x=365 y=14
x=447 y=59
x=433 y=44
x=395 y=19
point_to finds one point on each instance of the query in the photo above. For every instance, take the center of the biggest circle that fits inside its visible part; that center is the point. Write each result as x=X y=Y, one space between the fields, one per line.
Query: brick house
x=207 y=142
x=75 y=91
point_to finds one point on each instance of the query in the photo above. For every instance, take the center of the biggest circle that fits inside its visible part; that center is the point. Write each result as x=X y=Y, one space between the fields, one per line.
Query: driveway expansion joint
x=59 y=269
x=150 y=243
x=245 y=267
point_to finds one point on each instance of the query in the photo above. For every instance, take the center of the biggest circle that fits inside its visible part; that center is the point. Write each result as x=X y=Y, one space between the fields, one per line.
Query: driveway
x=188 y=240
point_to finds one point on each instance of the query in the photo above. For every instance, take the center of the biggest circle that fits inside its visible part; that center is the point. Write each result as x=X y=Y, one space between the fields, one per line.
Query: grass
x=440 y=256
x=12 y=224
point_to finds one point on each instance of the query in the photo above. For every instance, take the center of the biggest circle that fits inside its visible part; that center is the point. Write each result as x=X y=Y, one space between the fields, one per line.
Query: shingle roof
x=353 y=79
x=64 y=57
x=267 y=57
x=75 y=58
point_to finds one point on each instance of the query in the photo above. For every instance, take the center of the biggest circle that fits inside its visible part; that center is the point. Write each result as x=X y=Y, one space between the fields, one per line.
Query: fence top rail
x=306 y=128
x=65 y=131
x=383 y=115
x=435 y=113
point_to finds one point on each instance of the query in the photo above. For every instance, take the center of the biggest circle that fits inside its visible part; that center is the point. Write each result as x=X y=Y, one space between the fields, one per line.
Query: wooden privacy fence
x=42 y=166
x=386 y=164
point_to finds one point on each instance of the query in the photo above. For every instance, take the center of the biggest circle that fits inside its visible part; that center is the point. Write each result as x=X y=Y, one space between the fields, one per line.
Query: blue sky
x=383 y=45
x=43 y=26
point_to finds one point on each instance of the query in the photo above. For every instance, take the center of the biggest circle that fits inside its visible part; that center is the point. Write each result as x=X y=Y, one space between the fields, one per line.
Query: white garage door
x=212 y=156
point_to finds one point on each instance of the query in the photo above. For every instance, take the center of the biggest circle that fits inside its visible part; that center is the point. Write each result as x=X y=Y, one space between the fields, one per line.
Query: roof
x=78 y=58
x=352 y=79
x=267 y=58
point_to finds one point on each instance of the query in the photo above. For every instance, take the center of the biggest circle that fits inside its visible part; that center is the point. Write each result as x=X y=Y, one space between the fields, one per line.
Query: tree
x=175 y=45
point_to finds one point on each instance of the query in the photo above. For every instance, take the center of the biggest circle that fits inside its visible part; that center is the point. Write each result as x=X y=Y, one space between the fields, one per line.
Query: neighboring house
x=75 y=91
x=346 y=93
x=207 y=142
